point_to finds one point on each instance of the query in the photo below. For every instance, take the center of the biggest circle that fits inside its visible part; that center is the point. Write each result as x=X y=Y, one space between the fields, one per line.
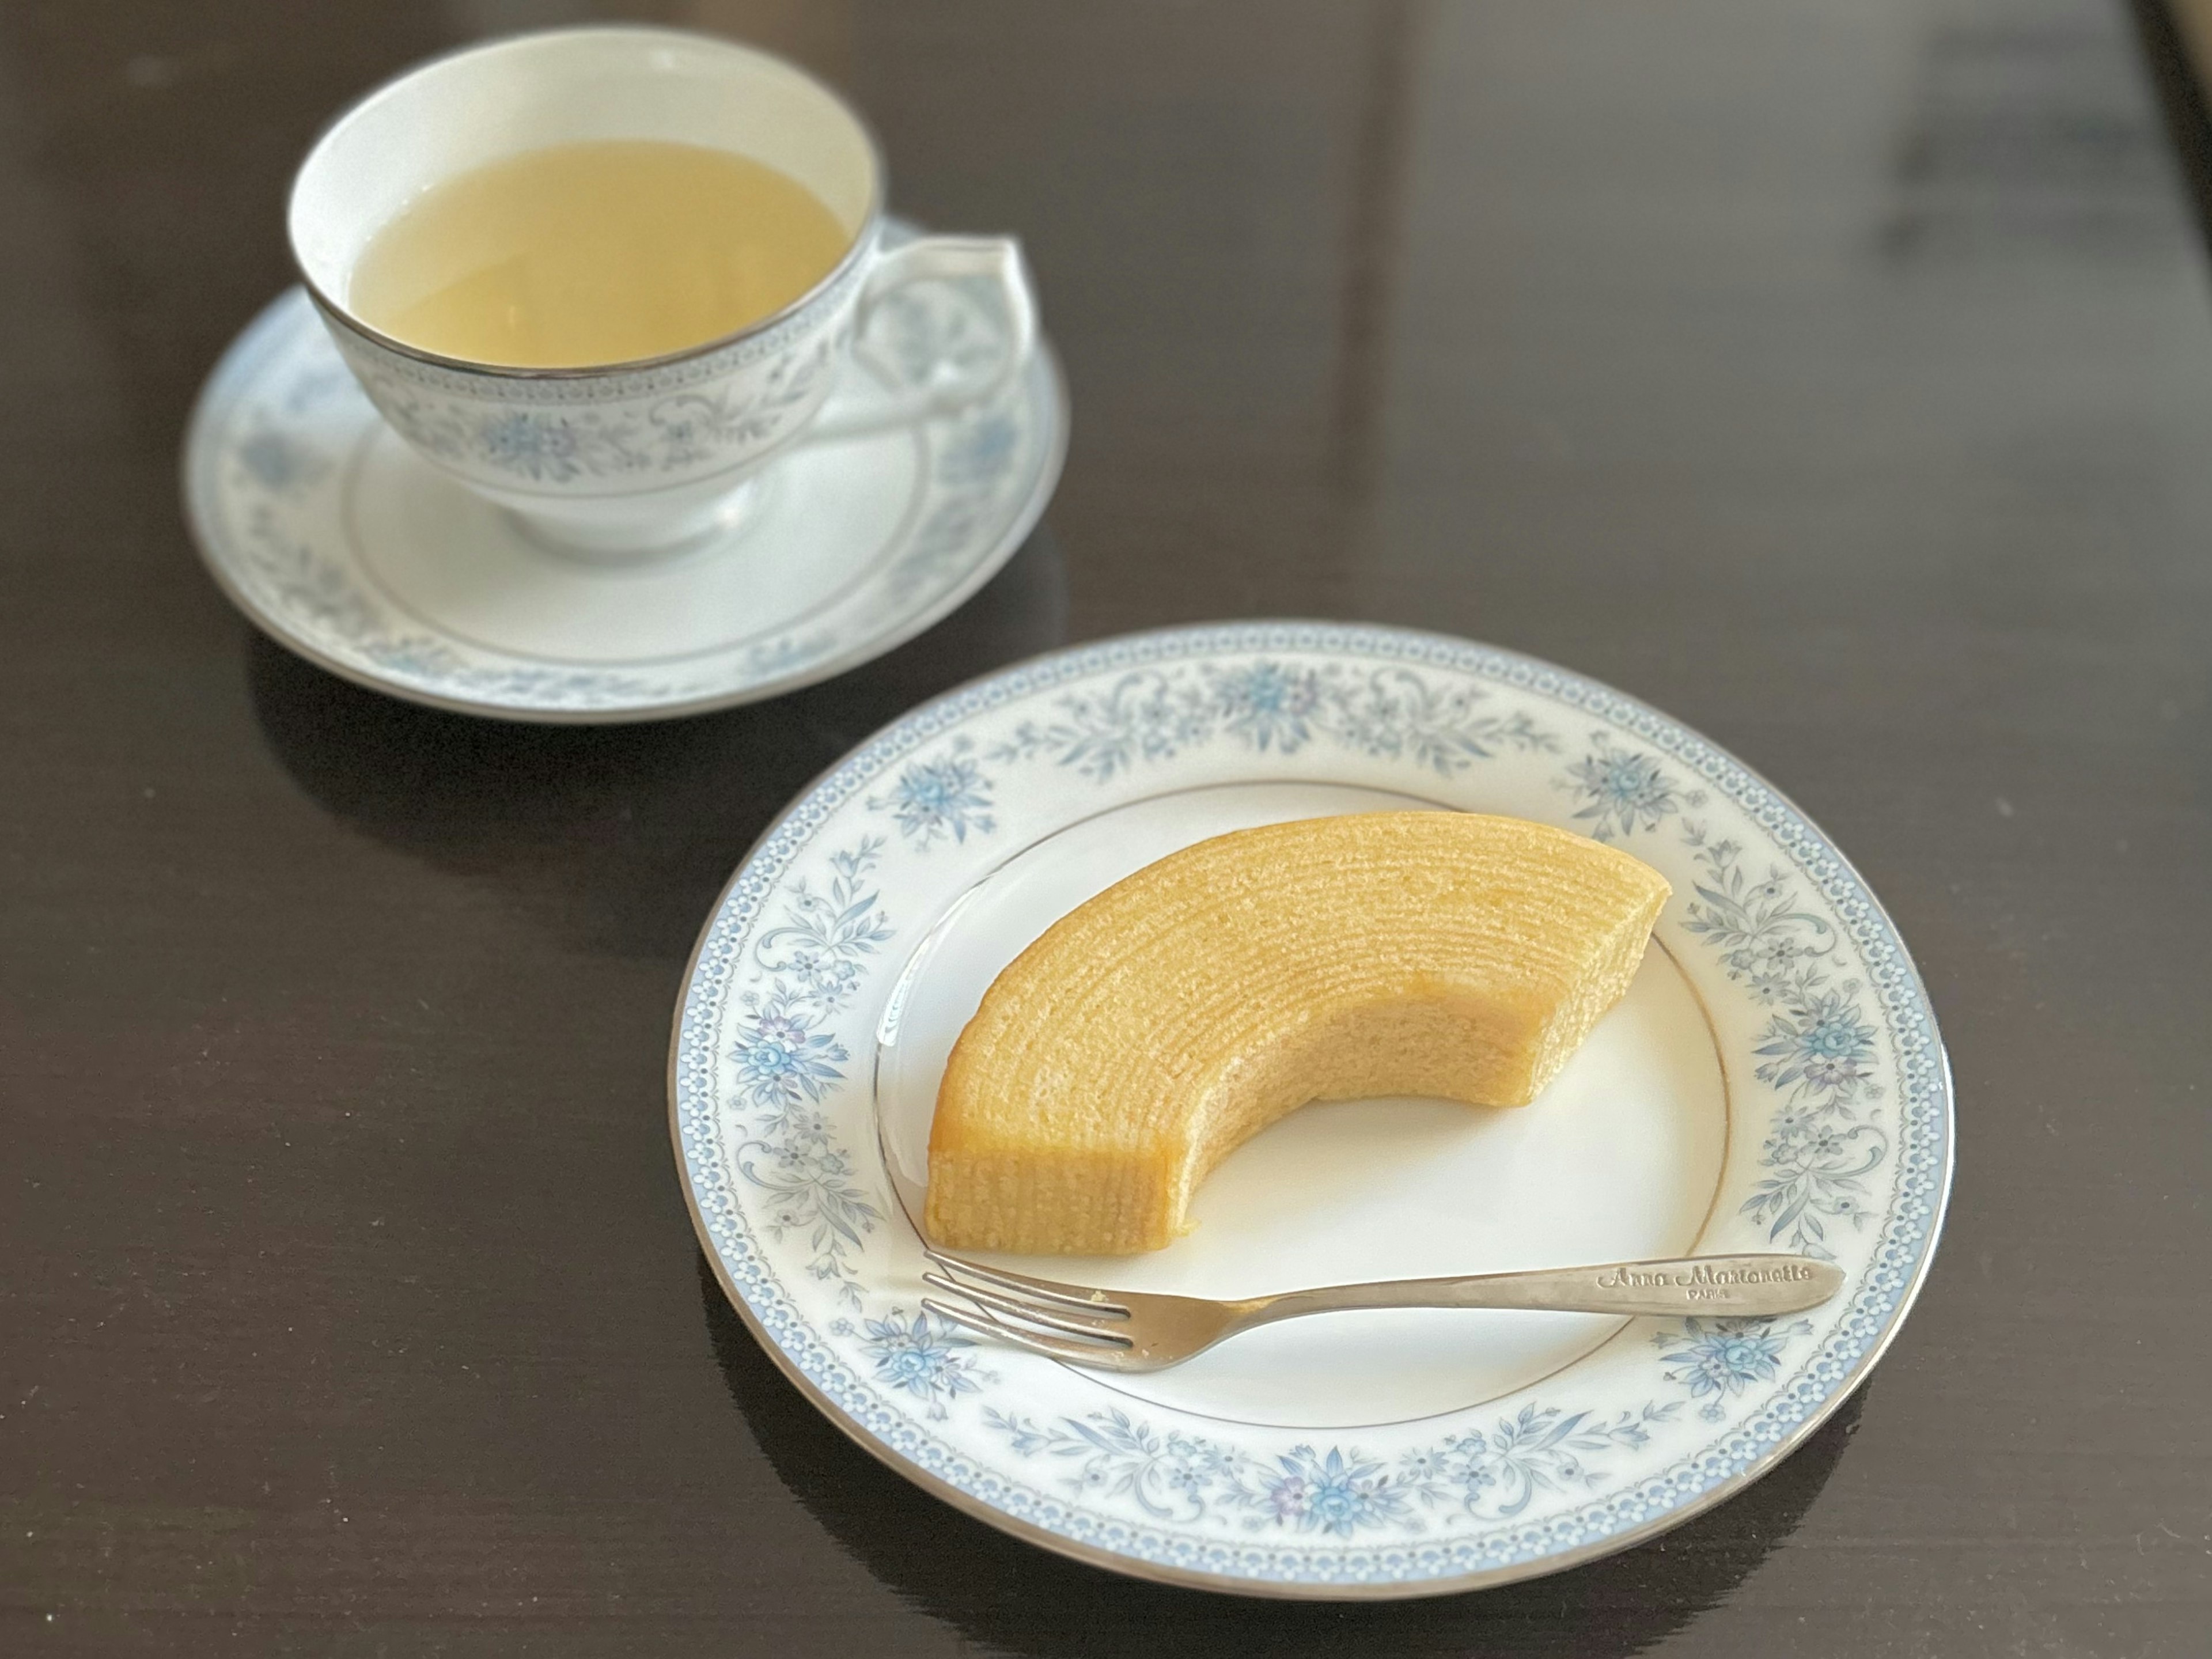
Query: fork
x=1146 y=1331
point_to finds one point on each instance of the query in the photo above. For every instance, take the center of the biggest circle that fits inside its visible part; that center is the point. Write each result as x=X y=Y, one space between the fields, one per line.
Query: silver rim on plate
x=1641 y=769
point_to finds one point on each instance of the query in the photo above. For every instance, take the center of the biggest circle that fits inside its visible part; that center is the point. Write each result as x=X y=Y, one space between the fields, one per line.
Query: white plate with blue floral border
x=340 y=543
x=1773 y=1080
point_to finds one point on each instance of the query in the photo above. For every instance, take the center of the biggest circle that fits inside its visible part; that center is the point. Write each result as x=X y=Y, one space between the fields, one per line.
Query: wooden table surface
x=1836 y=375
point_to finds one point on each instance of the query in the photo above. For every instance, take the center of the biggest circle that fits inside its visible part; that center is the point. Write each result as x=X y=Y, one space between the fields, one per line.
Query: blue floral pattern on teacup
x=684 y=435
x=653 y=426
x=280 y=430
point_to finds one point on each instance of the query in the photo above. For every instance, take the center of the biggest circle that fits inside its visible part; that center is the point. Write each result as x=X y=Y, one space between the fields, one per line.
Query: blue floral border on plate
x=1903 y=1248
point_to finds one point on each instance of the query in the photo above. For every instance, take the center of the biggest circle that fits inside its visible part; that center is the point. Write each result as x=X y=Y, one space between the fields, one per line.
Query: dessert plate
x=1772 y=1081
x=339 y=542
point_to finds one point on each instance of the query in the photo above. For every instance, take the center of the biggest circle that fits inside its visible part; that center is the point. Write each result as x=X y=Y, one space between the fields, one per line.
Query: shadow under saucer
x=620 y=837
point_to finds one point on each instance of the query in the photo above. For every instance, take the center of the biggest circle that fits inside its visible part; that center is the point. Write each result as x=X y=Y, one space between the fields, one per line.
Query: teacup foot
x=350 y=548
x=625 y=544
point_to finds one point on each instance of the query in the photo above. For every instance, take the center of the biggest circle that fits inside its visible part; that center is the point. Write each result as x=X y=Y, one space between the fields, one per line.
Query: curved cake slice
x=1150 y=1031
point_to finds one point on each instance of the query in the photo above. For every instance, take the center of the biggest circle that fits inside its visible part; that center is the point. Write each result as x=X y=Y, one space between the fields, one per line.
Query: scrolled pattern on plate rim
x=1903 y=1249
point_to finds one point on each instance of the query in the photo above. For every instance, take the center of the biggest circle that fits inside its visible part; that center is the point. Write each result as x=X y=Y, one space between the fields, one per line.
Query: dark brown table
x=1835 y=374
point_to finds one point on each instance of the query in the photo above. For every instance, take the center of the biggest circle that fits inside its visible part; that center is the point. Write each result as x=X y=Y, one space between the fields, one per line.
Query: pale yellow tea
x=594 y=253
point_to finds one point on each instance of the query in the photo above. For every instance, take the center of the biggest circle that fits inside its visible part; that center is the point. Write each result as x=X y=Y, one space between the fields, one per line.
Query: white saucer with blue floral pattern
x=342 y=544
x=1772 y=1081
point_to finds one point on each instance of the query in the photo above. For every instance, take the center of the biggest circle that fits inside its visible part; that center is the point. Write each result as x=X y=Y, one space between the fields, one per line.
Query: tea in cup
x=602 y=276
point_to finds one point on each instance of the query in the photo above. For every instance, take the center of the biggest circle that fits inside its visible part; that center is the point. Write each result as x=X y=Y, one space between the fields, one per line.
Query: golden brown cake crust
x=1152 y=1029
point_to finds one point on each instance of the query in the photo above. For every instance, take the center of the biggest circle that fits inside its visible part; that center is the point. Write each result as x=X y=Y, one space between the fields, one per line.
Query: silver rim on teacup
x=335 y=310
x=621 y=459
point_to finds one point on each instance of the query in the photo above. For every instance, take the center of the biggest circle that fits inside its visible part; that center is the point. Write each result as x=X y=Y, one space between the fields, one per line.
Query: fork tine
x=1052 y=1347
x=1027 y=1311
x=1080 y=1297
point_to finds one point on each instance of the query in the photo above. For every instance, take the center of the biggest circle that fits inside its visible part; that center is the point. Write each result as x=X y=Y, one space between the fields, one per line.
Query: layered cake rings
x=1152 y=1030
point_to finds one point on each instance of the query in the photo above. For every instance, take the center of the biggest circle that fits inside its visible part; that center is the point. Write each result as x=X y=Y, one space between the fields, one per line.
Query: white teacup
x=628 y=458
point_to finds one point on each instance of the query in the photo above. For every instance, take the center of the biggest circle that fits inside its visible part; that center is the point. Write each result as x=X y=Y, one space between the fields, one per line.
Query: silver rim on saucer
x=249 y=486
x=933 y=787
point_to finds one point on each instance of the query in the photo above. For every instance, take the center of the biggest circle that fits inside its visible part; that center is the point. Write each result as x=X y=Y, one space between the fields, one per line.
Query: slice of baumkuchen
x=1152 y=1029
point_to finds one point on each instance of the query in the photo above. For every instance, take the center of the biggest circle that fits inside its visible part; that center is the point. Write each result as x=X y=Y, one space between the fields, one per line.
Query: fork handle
x=1732 y=1286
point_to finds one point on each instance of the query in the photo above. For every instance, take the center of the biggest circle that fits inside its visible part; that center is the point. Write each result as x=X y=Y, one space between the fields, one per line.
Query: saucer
x=1773 y=1080
x=342 y=544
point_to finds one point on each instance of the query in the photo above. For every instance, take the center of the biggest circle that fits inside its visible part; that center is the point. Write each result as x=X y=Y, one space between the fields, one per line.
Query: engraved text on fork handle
x=1734 y=1286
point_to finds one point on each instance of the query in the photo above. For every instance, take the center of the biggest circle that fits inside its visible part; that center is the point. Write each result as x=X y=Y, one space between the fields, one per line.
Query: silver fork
x=1144 y=1331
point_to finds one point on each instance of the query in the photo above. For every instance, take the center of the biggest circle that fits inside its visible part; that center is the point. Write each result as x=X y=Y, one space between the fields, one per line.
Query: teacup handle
x=935 y=259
